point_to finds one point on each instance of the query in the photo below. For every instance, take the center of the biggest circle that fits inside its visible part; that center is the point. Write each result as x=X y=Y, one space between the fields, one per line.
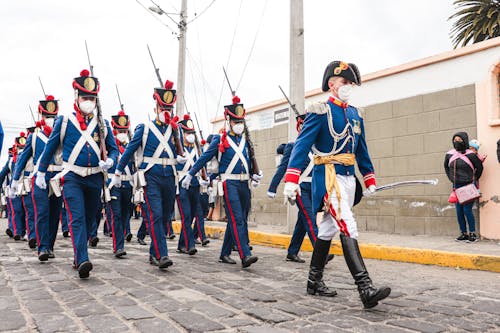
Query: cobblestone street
x=198 y=294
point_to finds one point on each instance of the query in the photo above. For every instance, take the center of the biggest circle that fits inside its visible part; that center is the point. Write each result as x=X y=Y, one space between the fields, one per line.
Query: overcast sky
x=46 y=39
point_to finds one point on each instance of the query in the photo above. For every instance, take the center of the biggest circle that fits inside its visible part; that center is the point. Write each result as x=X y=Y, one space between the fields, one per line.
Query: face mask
x=190 y=138
x=164 y=117
x=87 y=106
x=238 y=128
x=49 y=122
x=122 y=137
x=460 y=146
x=345 y=92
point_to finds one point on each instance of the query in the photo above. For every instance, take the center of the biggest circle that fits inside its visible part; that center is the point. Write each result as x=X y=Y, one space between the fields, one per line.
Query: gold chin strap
x=331 y=175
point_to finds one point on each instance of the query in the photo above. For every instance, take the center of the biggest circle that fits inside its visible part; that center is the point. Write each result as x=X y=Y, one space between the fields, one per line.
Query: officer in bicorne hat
x=231 y=149
x=46 y=207
x=118 y=210
x=334 y=131
x=78 y=135
x=155 y=142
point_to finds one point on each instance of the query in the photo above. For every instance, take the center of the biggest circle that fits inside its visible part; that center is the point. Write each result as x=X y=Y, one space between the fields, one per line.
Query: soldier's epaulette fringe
x=318 y=108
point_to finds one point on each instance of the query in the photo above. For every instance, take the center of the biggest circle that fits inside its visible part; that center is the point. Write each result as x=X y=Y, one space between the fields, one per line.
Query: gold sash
x=331 y=175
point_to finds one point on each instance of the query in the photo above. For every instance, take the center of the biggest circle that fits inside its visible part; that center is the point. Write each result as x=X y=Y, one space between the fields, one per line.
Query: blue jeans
x=465 y=211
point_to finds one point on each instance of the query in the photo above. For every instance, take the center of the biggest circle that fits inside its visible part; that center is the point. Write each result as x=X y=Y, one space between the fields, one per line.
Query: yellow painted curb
x=374 y=251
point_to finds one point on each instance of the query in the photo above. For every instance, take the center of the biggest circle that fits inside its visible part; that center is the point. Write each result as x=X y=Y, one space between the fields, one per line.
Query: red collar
x=338 y=102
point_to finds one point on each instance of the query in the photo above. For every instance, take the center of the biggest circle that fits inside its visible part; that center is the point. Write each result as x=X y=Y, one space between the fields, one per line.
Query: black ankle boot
x=315 y=284
x=367 y=292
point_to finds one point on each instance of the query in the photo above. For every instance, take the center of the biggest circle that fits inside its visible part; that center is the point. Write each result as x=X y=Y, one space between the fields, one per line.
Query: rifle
x=290 y=103
x=254 y=168
x=102 y=136
x=177 y=142
x=31 y=111
x=128 y=131
x=196 y=142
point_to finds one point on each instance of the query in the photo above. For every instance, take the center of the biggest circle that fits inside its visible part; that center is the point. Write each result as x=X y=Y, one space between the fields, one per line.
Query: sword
x=403 y=183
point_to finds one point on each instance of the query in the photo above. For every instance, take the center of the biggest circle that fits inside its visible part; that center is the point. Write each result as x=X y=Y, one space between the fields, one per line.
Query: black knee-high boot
x=315 y=284
x=367 y=292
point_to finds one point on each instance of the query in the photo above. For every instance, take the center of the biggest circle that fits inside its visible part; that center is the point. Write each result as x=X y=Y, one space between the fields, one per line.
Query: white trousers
x=329 y=226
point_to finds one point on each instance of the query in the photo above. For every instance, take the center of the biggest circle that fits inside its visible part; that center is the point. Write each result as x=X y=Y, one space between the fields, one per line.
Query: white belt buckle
x=89 y=171
x=242 y=177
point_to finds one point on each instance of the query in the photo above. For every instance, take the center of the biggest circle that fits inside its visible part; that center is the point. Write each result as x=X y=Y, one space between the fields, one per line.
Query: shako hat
x=49 y=106
x=235 y=111
x=86 y=85
x=166 y=96
x=348 y=71
x=120 y=121
x=21 y=140
x=187 y=124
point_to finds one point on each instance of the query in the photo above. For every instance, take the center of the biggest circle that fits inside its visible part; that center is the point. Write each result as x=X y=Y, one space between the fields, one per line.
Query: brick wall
x=407 y=140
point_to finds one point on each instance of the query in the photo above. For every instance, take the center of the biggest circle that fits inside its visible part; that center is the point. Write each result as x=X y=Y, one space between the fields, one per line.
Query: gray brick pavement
x=198 y=294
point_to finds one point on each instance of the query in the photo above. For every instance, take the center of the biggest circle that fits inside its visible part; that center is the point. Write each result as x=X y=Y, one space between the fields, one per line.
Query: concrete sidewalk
x=421 y=249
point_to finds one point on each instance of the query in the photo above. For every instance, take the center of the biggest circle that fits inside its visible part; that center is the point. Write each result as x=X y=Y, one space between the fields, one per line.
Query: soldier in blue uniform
x=46 y=208
x=157 y=156
x=231 y=150
x=306 y=218
x=188 y=198
x=5 y=180
x=119 y=208
x=15 y=190
x=78 y=135
x=334 y=131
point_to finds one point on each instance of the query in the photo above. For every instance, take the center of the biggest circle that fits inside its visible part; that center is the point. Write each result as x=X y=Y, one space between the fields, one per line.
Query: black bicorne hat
x=166 y=96
x=235 y=111
x=49 y=106
x=85 y=84
x=120 y=121
x=348 y=71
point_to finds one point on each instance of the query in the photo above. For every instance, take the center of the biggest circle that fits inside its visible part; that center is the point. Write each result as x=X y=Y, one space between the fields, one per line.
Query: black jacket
x=459 y=172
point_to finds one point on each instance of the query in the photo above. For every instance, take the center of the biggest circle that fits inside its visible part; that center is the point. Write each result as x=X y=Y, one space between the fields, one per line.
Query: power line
x=202 y=12
x=156 y=18
x=164 y=12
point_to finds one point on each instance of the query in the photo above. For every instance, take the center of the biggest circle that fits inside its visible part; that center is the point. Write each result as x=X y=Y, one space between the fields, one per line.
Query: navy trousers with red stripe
x=199 y=223
x=237 y=204
x=118 y=213
x=18 y=216
x=82 y=197
x=306 y=221
x=159 y=196
x=47 y=210
x=29 y=215
x=187 y=203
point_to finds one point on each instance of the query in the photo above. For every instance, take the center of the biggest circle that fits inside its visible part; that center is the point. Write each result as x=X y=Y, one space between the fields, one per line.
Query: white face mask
x=238 y=128
x=345 y=92
x=122 y=137
x=50 y=122
x=163 y=116
x=87 y=106
x=190 y=138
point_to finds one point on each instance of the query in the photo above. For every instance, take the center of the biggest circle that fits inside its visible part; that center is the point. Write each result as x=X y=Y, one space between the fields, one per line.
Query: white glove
x=290 y=191
x=116 y=180
x=255 y=183
x=271 y=195
x=204 y=182
x=257 y=177
x=372 y=189
x=40 y=180
x=106 y=165
x=186 y=181
x=13 y=189
x=181 y=159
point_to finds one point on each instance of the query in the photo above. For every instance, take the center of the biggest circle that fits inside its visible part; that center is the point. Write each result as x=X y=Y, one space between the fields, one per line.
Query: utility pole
x=181 y=65
x=296 y=81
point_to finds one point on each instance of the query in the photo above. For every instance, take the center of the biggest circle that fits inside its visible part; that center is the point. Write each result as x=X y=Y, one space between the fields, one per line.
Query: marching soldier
x=119 y=208
x=46 y=209
x=16 y=200
x=334 y=131
x=5 y=180
x=232 y=153
x=79 y=137
x=306 y=218
x=159 y=150
x=188 y=199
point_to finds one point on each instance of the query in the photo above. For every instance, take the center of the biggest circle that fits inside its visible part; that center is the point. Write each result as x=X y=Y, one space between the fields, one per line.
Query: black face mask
x=460 y=146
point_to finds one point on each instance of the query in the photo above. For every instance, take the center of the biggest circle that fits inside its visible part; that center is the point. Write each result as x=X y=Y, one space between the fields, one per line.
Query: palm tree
x=477 y=20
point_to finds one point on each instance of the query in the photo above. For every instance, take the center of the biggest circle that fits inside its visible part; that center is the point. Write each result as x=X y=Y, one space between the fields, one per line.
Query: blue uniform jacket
x=87 y=156
x=130 y=165
x=6 y=170
x=22 y=159
x=1 y=136
x=315 y=131
x=281 y=169
x=226 y=156
x=189 y=149
x=151 y=144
